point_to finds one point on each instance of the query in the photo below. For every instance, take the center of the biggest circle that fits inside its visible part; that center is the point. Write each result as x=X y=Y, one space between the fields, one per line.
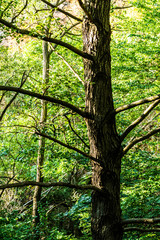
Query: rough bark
x=104 y=140
x=41 y=149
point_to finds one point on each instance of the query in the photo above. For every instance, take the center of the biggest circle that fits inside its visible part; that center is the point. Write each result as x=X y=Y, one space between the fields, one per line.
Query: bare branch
x=140 y=139
x=141 y=220
x=62 y=11
x=141 y=229
x=49 y=99
x=140 y=119
x=47 y=39
x=25 y=5
x=24 y=78
x=136 y=103
x=69 y=147
x=53 y=184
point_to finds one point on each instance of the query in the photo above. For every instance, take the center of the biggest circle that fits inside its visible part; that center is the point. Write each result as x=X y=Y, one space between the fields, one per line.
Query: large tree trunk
x=104 y=140
x=41 y=149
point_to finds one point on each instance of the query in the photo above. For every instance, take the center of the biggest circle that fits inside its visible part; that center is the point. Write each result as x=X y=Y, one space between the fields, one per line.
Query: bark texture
x=41 y=149
x=104 y=141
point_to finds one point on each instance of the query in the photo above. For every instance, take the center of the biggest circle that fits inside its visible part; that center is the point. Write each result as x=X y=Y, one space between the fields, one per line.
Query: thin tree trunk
x=41 y=149
x=104 y=140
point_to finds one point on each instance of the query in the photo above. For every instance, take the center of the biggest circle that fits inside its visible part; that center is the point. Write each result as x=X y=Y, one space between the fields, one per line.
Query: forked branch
x=140 y=119
x=140 y=139
x=136 y=103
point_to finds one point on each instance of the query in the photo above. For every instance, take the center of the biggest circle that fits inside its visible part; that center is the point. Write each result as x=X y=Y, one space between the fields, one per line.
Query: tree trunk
x=41 y=149
x=104 y=140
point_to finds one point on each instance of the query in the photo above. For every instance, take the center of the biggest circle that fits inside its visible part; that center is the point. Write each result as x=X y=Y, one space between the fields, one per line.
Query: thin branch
x=3 y=94
x=115 y=8
x=140 y=220
x=10 y=178
x=62 y=35
x=82 y=5
x=53 y=184
x=140 y=119
x=140 y=139
x=141 y=229
x=69 y=147
x=76 y=132
x=24 y=78
x=47 y=39
x=136 y=103
x=62 y=11
x=1 y=15
x=47 y=98
x=70 y=67
x=31 y=201
x=17 y=15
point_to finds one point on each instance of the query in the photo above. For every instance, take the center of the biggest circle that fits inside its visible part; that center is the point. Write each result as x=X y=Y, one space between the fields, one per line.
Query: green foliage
x=135 y=66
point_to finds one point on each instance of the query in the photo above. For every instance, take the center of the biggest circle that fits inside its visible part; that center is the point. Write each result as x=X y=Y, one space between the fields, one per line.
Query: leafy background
x=65 y=213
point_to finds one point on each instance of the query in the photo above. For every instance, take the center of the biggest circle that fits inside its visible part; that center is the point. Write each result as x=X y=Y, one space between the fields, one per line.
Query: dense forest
x=79 y=120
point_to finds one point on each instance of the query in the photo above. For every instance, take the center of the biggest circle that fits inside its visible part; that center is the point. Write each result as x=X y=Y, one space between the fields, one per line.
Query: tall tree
x=41 y=149
x=106 y=149
x=105 y=143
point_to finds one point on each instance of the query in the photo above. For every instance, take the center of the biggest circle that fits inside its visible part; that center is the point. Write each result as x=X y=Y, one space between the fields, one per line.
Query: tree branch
x=141 y=229
x=47 y=39
x=140 y=139
x=136 y=103
x=10 y=178
x=69 y=147
x=116 y=8
x=47 y=98
x=53 y=184
x=24 y=78
x=76 y=132
x=140 y=220
x=62 y=11
x=140 y=119
x=10 y=3
x=25 y=5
